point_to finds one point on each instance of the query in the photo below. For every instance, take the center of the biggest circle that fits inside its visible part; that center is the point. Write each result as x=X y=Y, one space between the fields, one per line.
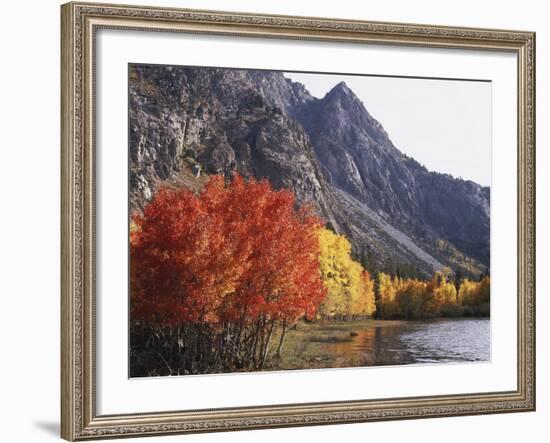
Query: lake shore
x=366 y=342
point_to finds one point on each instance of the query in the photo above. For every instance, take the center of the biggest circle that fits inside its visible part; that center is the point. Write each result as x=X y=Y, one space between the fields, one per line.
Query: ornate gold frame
x=79 y=21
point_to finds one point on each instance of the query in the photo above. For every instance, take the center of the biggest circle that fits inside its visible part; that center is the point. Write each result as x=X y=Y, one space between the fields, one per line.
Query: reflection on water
x=419 y=342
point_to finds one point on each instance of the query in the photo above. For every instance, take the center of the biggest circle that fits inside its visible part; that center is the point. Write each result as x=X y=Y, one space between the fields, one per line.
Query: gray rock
x=330 y=151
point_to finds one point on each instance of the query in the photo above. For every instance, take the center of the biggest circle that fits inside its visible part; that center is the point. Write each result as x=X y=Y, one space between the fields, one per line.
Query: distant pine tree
x=458 y=278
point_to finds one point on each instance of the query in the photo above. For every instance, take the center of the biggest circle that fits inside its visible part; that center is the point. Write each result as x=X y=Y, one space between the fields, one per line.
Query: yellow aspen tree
x=363 y=304
x=467 y=293
x=349 y=292
x=387 y=290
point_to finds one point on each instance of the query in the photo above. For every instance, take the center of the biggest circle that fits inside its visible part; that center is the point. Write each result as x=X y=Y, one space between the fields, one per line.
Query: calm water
x=436 y=341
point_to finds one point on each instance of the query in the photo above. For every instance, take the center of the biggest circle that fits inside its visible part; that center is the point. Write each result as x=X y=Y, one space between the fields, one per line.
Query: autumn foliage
x=420 y=299
x=215 y=273
x=350 y=289
x=217 y=278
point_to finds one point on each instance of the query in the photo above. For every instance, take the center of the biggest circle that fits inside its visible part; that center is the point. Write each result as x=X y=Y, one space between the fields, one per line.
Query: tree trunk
x=282 y=340
x=255 y=344
x=266 y=346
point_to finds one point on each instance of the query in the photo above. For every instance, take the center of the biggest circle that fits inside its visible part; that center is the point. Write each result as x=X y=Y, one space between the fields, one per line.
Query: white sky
x=443 y=124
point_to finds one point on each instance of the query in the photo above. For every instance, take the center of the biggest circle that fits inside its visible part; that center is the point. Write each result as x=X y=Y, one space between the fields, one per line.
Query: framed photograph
x=282 y=221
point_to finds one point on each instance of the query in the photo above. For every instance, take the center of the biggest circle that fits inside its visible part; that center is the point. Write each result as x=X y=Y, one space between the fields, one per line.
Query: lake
x=435 y=341
x=379 y=342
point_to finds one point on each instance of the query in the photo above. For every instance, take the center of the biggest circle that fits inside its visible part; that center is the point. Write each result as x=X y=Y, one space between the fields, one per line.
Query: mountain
x=188 y=123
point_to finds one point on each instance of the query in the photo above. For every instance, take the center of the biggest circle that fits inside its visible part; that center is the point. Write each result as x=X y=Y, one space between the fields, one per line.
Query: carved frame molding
x=79 y=24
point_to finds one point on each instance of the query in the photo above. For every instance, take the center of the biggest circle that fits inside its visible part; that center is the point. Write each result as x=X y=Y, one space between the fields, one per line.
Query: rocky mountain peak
x=341 y=89
x=341 y=95
x=331 y=152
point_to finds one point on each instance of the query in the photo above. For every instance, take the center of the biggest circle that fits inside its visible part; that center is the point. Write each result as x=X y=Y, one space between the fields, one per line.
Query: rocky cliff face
x=188 y=123
x=215 y=121
x=358 y=157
